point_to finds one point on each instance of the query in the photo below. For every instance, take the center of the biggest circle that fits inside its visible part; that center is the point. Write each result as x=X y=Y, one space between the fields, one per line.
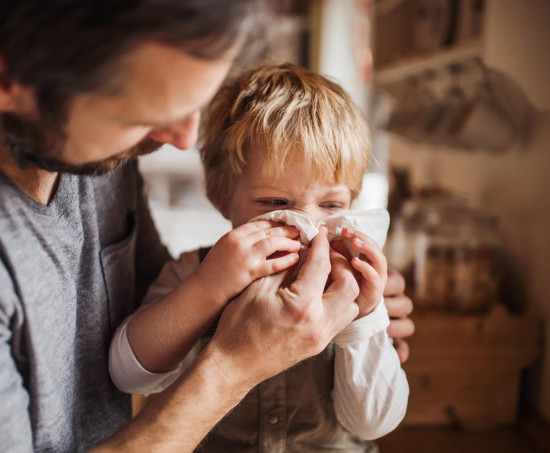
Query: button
x=272 y=419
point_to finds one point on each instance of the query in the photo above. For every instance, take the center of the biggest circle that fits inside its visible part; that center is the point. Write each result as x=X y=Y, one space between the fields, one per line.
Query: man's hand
x=269 y=328
x=399 y=307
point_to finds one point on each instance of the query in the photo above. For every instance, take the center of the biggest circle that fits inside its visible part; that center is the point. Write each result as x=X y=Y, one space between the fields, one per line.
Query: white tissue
x=374 y=223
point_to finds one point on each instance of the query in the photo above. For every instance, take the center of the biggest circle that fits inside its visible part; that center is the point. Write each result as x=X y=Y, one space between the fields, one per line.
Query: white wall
x=340 y=24
x=516 y=186
x=184 y=218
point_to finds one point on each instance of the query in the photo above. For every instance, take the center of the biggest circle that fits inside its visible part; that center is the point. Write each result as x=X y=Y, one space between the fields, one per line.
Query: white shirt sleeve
x=371 y=391
x=126 y=372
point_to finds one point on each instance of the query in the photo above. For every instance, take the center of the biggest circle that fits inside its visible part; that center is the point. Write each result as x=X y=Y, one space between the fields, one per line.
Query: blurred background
x=457 y=96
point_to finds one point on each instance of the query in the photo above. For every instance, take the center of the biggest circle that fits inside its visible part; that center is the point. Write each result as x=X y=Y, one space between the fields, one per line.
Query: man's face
x=162 y=94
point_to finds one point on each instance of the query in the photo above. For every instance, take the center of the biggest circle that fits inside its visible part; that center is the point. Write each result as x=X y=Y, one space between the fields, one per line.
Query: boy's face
x=295 y=190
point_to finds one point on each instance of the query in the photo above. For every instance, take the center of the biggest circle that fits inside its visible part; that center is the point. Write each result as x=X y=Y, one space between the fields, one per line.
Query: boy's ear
x=7 y=99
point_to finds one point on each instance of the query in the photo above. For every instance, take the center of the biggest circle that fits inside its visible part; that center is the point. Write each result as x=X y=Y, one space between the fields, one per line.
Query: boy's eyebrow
x=340 y=189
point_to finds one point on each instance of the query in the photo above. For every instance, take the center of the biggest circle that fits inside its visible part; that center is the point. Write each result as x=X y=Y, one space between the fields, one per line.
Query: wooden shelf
x=513 y=41
x=432 y=60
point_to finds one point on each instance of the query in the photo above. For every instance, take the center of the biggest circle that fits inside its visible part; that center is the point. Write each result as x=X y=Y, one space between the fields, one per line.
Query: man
x=85 y=86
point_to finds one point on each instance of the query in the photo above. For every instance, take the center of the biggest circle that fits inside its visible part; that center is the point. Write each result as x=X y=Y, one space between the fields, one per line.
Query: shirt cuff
x=365 y=327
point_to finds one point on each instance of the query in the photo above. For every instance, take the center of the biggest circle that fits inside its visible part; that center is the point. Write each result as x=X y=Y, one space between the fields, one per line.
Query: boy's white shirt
x=370 y=391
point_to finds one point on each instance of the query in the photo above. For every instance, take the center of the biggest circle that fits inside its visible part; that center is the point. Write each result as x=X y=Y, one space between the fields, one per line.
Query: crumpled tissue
x=374 y=223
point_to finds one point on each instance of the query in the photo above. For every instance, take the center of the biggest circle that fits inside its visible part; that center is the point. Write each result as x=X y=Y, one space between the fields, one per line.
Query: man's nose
x=182 y=135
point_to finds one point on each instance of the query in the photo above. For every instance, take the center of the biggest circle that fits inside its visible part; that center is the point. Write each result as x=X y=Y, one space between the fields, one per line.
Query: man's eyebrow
x=158 y=123
x=161 y=123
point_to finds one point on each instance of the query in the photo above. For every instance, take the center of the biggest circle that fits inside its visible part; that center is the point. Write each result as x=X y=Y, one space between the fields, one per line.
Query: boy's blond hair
x=281 y=110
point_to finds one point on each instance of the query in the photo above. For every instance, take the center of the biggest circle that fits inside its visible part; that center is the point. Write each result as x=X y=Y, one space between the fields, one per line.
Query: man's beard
x=33 y=146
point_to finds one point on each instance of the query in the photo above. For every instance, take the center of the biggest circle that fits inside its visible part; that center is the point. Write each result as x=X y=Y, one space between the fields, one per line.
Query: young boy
x=289 y=146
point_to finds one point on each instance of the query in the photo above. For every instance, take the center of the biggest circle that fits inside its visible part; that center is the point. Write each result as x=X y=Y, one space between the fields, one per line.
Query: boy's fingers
x=279 y=264
x=271 y=283
x=367 y=246
x=265 y=228
x=252 y=227
x=368 y=272
x=372 y=253
x=350 y=234
x=312 y=276
x=268 y=247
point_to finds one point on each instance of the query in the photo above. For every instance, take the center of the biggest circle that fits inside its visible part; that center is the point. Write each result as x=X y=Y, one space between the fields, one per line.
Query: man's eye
x=273 y=202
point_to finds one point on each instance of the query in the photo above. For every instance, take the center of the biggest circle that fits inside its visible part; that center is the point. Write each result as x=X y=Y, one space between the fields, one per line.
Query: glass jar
x=415 y=215
x=458 y=261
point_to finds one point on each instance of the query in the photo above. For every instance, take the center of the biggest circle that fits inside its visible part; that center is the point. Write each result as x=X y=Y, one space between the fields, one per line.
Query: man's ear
x=7 y=101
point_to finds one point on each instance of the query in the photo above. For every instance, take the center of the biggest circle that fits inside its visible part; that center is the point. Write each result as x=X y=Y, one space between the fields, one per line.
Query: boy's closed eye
x=273 y=202
x=333 y=205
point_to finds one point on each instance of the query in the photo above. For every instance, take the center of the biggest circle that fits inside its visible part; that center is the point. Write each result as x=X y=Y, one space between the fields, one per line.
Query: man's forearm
x=180 y=417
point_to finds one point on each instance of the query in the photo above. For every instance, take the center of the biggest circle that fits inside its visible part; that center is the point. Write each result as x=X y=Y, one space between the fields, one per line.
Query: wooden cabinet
x=465 y=371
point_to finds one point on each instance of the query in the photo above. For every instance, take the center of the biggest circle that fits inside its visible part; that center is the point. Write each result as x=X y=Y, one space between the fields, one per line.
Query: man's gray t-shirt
x=69 y=273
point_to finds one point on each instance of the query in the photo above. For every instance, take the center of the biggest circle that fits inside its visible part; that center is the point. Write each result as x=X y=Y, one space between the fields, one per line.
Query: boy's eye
x=273 y=202
x=333 y=206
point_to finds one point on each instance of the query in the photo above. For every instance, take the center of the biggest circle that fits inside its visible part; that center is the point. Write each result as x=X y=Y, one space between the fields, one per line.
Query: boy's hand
x=270 y=327
x=371 y=267
x=244 y=255
x=398 y=304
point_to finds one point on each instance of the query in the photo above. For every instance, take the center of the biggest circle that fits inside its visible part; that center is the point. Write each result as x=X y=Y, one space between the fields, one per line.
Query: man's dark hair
x=66 y=47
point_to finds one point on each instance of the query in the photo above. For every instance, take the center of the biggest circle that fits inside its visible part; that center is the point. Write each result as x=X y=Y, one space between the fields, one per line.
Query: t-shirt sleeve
x=15 y=424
